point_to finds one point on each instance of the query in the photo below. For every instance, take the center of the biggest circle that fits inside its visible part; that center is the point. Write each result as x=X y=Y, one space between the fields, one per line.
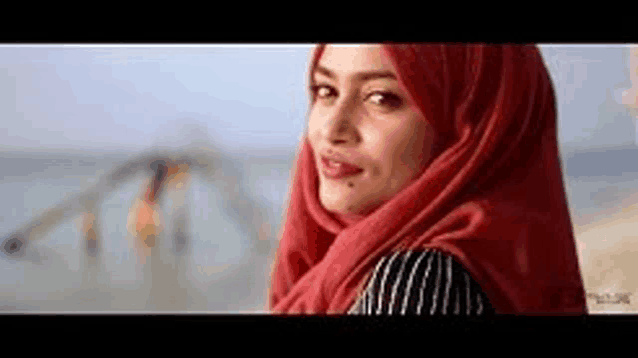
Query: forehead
x=344 y=59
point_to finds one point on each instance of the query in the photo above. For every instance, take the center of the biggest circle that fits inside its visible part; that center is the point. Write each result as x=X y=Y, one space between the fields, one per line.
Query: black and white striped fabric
x=422 y=283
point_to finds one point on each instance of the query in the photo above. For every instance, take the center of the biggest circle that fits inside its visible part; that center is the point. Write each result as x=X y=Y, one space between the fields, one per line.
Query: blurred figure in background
x=88 y=229
x=630 y=96
x=145 y=221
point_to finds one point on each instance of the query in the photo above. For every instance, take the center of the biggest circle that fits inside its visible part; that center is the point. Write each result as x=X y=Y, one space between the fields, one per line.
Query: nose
x=340 y=128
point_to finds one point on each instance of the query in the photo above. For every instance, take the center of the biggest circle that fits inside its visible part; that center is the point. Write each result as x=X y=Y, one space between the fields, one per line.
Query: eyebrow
x=363 y=76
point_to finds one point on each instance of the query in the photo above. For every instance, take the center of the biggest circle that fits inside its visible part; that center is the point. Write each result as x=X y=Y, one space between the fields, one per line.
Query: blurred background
x=74 y=118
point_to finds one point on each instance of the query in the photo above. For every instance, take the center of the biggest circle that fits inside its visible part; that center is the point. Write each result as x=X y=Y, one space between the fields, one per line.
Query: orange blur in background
x=88 y=230
x=145 y=221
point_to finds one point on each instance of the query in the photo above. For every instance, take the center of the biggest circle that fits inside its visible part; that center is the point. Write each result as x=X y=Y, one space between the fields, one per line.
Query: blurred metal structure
x=207 y=164
x=160 y=167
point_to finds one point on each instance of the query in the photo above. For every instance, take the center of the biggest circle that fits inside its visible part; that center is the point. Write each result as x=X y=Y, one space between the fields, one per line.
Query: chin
x=345 y=207
x=331 y=205
x=335 y=205
x=339 y=202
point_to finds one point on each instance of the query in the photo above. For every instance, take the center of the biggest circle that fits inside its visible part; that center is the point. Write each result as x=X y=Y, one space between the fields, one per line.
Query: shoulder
x=428 y=282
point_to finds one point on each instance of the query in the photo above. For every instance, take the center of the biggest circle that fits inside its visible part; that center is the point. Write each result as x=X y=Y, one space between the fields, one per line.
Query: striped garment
x=422 y=283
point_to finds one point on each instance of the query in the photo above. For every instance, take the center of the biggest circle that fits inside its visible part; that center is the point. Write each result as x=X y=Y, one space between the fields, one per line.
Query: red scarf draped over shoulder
x=493 y=197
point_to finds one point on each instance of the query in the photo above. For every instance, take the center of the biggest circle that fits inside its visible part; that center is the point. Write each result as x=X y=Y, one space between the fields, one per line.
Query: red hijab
x=493 y=196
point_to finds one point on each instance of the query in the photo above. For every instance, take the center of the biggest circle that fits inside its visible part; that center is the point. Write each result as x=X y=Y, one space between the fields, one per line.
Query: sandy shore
x=607 y=244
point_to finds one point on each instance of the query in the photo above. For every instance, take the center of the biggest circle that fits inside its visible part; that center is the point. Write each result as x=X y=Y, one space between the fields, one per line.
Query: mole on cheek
x=350 y=184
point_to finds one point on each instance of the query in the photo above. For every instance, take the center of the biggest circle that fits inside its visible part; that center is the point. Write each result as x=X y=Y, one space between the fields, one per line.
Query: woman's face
x=363 y=119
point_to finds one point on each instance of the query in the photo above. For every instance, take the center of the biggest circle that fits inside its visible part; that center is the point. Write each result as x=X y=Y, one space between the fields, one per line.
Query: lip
x=346 y=168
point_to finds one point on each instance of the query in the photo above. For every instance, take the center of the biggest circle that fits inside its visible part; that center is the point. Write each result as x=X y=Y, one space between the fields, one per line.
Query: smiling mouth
x=337 y=170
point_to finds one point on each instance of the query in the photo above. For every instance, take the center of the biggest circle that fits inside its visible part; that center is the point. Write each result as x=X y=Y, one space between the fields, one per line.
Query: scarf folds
x=493 y=197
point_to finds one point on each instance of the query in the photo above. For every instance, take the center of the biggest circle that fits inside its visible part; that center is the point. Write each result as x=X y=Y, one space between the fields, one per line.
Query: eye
x=386 y=99
x=322 y=91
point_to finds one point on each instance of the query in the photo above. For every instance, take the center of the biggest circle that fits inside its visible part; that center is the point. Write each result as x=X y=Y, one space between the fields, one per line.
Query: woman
x=428 y=183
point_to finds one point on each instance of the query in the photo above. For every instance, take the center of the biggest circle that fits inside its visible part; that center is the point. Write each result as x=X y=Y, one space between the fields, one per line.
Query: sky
x=129 y=98
x=132 y=98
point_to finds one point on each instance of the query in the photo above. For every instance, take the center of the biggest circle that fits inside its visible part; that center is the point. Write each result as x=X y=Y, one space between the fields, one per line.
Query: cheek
x=313 y=130
x=371 y=135
x=411 y=156
x=404 y=152
x=415 y=149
